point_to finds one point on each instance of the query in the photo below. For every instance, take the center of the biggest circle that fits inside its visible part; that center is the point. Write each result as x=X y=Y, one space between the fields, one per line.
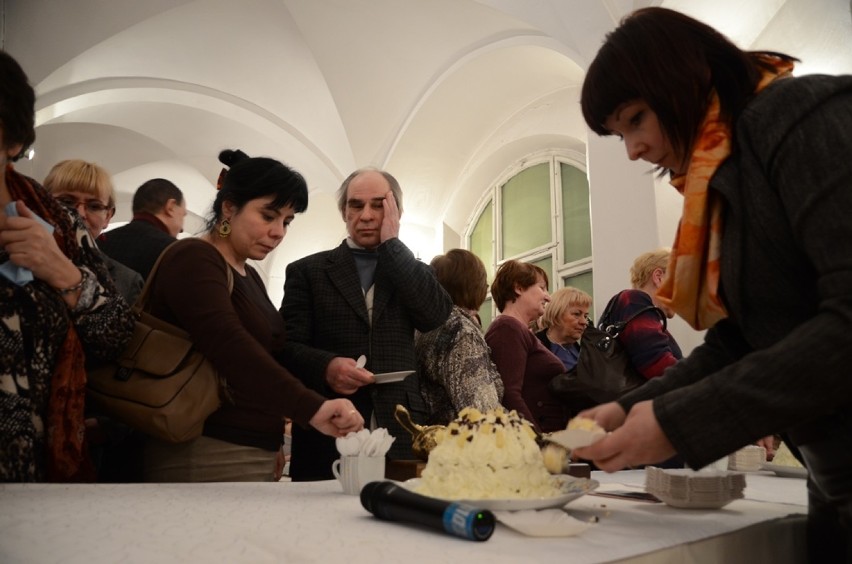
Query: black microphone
x=389 y=501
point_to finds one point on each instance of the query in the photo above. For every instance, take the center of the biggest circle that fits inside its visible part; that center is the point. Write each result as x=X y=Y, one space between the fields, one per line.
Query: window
x=538 y=212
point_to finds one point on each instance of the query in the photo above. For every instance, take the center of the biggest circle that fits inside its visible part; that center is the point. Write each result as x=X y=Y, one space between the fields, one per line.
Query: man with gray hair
x=365 y=297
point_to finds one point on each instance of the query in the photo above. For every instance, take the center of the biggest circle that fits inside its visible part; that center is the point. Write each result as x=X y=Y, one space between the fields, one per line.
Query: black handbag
x=604 y=370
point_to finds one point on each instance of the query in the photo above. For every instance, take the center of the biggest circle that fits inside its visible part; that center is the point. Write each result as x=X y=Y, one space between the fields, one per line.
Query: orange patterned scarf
x=691 y=286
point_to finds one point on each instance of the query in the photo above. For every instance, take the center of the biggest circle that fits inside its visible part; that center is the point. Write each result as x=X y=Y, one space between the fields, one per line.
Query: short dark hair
x=248 y=178
x=17 y=105
x=342 y=192
x=672 y=62
x=154 y=194
x=463 y=276
x=512 y=274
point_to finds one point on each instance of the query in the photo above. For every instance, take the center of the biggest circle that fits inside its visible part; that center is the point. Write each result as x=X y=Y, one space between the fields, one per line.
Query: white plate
x=572 y=488
x=388 y=377
x=786 y=471
x=574 y=438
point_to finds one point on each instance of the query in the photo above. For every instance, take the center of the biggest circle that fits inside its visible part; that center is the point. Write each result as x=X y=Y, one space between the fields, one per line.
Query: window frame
x=553 y=249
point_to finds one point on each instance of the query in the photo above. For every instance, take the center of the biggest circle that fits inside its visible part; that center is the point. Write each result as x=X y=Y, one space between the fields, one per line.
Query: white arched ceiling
x=446 y=94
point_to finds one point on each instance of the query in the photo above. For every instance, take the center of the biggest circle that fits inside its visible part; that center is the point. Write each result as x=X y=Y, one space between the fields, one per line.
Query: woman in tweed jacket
x=456 y=370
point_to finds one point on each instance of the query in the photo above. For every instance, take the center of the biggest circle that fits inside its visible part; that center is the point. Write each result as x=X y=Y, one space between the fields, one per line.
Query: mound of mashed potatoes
x=492 y=455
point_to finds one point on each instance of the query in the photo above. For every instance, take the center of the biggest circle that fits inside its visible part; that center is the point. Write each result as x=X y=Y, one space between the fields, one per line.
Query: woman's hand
x=30 y=246
x=610 y=415
x=769 y=444
x=281 y=460
x=337 y=418
x=639 y=441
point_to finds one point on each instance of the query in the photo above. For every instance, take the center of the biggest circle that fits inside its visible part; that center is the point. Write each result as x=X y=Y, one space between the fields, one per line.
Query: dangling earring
x=225 y=228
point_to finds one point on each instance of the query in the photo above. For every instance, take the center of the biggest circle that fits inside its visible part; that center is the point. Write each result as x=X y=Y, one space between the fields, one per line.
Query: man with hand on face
x=365 y=297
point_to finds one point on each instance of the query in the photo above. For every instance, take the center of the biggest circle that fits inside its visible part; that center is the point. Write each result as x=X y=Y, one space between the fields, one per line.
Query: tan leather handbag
x=160 y=385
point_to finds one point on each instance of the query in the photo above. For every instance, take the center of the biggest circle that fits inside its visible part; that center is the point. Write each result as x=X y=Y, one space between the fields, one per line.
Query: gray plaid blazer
x=326 y=316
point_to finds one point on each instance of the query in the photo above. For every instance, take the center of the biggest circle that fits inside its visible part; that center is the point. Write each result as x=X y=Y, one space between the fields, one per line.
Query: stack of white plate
x=698 y=490
x=747 y=459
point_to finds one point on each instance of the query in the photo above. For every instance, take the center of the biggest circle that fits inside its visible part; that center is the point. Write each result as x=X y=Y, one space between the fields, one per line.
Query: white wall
x=631 y=214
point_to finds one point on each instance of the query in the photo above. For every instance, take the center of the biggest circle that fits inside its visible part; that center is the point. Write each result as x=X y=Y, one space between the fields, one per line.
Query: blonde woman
x=649 y=344
x=87 y=189
x=562 y=325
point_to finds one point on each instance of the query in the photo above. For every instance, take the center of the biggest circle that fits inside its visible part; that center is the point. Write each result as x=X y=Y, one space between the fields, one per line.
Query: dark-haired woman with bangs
x=240 y=331
x=762 y=257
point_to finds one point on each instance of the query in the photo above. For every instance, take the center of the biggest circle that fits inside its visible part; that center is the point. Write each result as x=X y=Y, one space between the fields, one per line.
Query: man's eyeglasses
x=92 y=206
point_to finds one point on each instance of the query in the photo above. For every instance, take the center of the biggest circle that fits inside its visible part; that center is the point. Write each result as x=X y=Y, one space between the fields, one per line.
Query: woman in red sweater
x=525 y=365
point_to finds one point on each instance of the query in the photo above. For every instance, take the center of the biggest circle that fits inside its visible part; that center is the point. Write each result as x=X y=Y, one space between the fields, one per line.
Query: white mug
x=354 y=472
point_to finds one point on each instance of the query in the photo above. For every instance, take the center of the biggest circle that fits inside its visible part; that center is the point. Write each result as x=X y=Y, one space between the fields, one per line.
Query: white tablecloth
x=315 y=522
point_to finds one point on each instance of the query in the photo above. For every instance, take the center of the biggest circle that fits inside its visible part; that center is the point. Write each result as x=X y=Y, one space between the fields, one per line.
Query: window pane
x=485 y=313
x=546 y=264
x=480 y=239
x=525 y=206
x=576 y=225
x=582 y=282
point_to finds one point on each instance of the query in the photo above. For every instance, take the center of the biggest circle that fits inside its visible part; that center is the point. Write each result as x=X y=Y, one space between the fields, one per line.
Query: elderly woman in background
x=564 y=320
x=649 y=344
x=239 y=330
x=525 y=365
x=87 y=188
x=456 y=370
x=57 y=307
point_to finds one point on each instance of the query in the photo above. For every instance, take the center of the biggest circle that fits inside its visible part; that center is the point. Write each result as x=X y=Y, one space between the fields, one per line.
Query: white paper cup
x=354 y=472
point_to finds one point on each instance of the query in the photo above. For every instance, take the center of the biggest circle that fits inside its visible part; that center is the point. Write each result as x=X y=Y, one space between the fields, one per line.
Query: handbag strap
x=615 y=329
x=142 y=300
x=603 y=321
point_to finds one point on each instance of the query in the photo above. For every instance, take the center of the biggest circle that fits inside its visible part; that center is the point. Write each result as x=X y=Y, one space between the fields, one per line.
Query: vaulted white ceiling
x=445 y=94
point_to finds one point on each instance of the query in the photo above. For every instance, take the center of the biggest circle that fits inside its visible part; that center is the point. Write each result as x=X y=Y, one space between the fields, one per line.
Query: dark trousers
x=829 y=461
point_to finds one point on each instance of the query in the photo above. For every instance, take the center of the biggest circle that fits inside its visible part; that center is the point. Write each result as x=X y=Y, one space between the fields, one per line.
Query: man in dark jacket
x=158 y=213
x=365 y=297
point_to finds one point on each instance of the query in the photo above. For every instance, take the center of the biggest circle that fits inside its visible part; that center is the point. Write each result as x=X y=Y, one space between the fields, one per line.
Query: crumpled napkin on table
x=365 y=443
x=12 y=272
x=542 y=522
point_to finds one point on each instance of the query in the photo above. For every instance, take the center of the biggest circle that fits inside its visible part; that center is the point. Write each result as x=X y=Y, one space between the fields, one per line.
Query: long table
x=316 y=522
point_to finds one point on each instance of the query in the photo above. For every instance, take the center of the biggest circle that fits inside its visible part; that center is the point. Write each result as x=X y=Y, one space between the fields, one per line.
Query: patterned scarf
x=691 y=287
x=67 y=456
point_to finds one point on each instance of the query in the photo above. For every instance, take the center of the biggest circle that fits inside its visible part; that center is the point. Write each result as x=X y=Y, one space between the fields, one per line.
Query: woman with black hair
x=762 y=258
x=239 y=331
